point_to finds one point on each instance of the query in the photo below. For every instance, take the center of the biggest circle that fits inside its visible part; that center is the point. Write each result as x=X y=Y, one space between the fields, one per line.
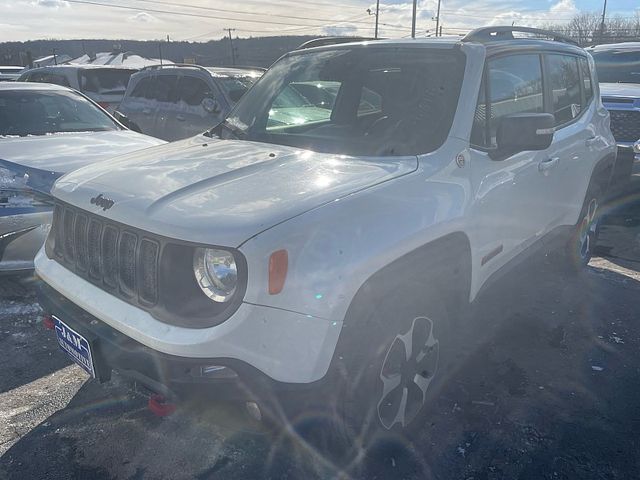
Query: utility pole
x=233 y=53
x=438 y=28
x=55 y=57
x=413 y=19
x=604 y=13
x=377 y=15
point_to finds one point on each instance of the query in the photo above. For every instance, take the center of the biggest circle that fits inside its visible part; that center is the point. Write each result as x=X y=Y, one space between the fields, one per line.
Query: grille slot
x=149 y=271
x=80 y=240
x=109 y=259
x=625 y=125
x=122 y=261
x=127 y=261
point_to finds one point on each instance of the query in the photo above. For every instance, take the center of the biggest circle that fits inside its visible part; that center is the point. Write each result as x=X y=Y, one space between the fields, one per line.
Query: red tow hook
x=47 y=322
x=159 y=406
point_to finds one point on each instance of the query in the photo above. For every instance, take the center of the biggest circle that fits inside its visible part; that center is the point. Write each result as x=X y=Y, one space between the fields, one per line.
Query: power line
x=239 y=12
x=184 y=14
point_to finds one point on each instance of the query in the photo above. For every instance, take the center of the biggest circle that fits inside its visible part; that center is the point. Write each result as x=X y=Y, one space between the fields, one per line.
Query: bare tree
x=586 y=28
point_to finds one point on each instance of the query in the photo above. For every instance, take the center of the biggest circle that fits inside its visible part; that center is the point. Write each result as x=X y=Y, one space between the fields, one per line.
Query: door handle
x=545 y=165
x=146 y=111
x=180 y=117
x=591 y=141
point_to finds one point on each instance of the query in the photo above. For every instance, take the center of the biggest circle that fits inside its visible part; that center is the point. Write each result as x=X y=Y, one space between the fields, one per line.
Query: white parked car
x=103 y=84
x=322 y=261
x=9 y=73
x=174 y=102
x=45 y=131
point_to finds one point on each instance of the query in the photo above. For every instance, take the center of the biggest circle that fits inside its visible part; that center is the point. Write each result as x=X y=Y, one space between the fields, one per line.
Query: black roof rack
x=493 y=34
x=321 y=42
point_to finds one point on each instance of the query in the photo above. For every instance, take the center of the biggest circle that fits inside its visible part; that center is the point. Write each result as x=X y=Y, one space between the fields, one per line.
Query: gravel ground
x=551 y=390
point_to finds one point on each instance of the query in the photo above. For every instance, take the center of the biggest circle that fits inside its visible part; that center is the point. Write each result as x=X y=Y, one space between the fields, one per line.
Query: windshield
x=32 y=112
x=104 y=81
x=361 y=101
x=236 y=87
x=618 y=66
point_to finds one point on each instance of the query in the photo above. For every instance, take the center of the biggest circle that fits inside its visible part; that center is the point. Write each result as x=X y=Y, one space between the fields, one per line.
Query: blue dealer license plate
x=74 y=345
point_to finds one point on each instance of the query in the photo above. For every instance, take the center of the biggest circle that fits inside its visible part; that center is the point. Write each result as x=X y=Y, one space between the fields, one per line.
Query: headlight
x=216 y=272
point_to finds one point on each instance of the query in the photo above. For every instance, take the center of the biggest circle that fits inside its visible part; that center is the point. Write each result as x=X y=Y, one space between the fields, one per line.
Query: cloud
x=143 y=17
x=340 y=30
x=52 y=3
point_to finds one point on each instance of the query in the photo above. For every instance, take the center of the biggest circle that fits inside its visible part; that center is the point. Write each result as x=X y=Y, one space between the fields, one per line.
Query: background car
x=45 y=131
x=173 y=102
x=618 y=67
x=9 y=73
x=103 y=84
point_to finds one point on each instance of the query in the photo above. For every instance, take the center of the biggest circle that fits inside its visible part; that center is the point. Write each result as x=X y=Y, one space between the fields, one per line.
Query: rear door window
x=564 y=82
x=105 y=81
x=165 y=89
x=144 y=88
x=193 y=90
x=586 y=80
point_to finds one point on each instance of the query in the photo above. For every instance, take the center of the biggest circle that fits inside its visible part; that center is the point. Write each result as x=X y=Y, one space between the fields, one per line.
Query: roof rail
x=321 y=42
x=173 y=65
x=493 y=34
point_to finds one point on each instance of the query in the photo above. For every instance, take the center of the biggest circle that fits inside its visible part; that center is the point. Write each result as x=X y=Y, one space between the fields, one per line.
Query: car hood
x=64 y=152
x=620 y=89
x=221 y=191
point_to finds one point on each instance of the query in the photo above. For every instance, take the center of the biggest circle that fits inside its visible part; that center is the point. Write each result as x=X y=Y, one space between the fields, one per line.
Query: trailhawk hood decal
x=221 y=191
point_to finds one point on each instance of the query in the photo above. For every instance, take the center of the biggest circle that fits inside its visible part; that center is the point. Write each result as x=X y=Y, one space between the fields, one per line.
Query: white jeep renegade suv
x=328 y=246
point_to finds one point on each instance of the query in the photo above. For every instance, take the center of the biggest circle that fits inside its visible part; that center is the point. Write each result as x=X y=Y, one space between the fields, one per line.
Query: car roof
x=630 y=46
x=34 y=86
x=493 y=47
x=74 y=66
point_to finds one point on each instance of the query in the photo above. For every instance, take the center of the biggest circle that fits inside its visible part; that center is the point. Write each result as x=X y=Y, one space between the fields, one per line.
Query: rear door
x=198 y=107
x=571 y=101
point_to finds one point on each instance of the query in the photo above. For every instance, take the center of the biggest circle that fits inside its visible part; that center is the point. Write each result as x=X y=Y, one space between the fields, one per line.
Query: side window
x=515 y=86
x=144 y=88
x=586 y=80
x=49 y=78
x=564 y=81
x=193 y=90
x=165 y=89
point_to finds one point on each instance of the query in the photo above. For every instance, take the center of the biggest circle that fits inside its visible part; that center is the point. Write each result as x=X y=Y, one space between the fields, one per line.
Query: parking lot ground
x=551 y=390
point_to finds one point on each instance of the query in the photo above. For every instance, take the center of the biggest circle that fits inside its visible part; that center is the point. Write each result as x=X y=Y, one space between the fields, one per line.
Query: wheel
x=394 y=359
x=582 y=243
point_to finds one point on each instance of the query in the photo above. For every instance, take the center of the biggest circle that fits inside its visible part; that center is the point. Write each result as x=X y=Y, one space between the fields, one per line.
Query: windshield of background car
x=361 y=101
x=235 y=87
x=104 y=81
x=25 y=113
x=617 y=67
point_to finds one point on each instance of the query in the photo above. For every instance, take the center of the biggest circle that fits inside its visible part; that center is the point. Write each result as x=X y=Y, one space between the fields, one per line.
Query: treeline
x=259 y=52
x=588 y=28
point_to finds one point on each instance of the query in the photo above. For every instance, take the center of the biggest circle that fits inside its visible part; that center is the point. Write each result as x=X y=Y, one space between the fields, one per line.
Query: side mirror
x=210 y=105
x=523 y=131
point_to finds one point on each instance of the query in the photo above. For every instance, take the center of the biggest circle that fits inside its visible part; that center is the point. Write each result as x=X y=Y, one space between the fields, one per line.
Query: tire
x=581 y=245
x=393 y=362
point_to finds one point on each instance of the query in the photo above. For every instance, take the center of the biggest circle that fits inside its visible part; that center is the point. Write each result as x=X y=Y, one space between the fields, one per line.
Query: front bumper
x=172 y=376
x=287 y=347
x=21 y=236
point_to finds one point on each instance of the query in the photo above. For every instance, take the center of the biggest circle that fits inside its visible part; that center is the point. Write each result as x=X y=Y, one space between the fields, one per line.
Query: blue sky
x=206 y=19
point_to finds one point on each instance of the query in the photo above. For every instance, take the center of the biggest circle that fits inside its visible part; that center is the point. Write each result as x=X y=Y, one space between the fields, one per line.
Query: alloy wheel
x=409 y=367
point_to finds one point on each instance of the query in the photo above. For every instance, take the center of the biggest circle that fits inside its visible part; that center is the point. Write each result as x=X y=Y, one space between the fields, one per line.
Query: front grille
x=625 y=125
x=118 y=259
